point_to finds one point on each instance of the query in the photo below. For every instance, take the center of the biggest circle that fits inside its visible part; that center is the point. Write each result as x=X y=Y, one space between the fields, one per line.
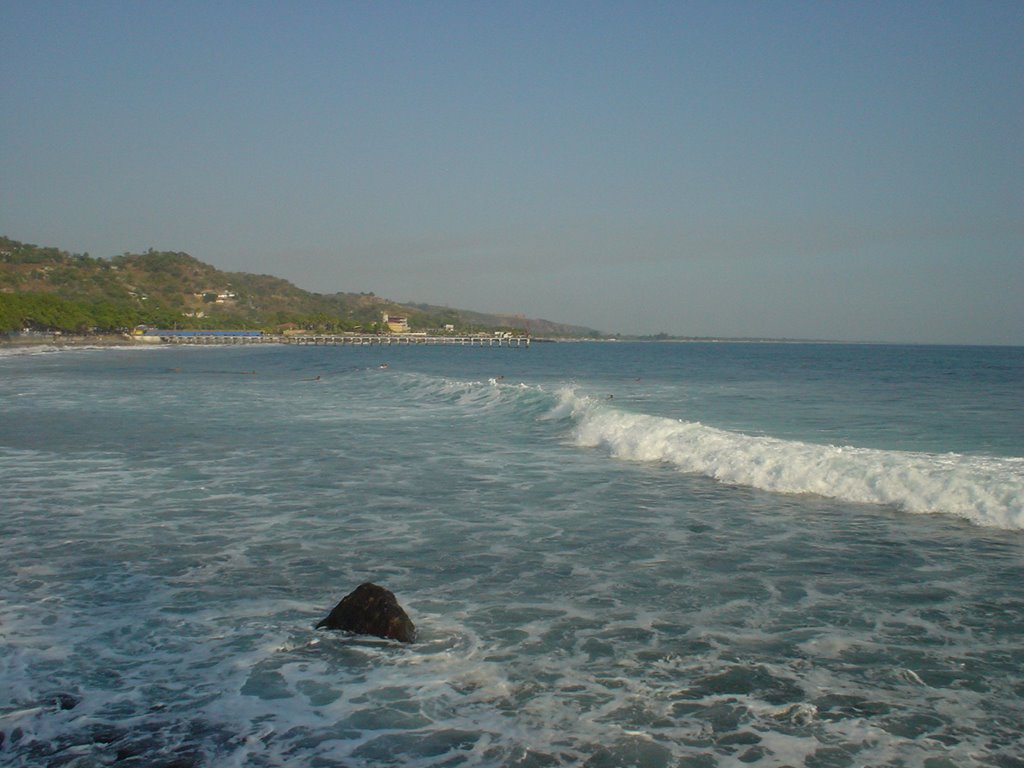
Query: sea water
x=615 y=554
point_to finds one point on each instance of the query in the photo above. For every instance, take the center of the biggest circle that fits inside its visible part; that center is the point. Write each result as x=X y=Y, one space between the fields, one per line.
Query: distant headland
x=53 y=296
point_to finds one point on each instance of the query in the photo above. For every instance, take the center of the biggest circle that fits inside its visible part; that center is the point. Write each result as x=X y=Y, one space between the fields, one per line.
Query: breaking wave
x=987 y=491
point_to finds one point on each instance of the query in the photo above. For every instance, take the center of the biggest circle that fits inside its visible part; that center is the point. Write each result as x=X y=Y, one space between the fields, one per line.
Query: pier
x=408 y=339
x=333 y=340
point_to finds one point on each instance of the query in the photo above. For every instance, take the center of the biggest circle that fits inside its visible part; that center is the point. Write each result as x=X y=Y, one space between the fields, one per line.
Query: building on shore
x=396 y=324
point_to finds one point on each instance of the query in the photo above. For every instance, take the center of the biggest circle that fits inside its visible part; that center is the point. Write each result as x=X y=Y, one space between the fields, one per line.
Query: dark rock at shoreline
x=371 y=610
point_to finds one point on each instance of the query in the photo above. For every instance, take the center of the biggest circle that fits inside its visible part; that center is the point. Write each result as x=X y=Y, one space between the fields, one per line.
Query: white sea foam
x=49 y=348
x=988 y=491
x=29 y=350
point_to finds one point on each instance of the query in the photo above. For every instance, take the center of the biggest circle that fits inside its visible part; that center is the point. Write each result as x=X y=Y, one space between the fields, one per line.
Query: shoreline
x=68 y=340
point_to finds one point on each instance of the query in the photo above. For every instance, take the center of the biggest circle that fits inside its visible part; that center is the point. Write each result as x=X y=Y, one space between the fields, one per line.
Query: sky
x=820 y=170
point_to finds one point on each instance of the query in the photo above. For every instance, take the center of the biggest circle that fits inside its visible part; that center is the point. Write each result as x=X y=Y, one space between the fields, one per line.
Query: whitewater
x=615 y=555
x=988 y=491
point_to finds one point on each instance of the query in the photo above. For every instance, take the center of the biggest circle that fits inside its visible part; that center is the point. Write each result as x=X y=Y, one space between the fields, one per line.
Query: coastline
x=67 y=340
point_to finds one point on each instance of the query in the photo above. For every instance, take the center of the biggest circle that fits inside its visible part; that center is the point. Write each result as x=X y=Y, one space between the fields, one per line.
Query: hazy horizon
x=838 y=171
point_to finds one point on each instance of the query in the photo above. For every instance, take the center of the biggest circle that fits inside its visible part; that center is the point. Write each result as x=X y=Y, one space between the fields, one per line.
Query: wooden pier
x=408 y=339
x=335 y=340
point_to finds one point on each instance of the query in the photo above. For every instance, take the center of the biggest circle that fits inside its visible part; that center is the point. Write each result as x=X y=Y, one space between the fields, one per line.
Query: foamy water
x=596 y=581
x=988 y=491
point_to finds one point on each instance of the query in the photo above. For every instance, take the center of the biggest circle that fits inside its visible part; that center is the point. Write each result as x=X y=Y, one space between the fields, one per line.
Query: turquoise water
x=615 y=555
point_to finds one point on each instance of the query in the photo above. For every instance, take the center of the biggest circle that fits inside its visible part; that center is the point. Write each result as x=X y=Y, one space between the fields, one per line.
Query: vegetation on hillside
x=46 y=289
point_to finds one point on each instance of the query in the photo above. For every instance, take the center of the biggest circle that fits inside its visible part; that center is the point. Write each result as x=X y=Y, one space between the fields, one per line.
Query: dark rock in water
x=65 y=701
x=371 y=610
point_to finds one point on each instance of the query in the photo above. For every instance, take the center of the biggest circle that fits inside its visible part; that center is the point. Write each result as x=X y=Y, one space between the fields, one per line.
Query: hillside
x=44 y=288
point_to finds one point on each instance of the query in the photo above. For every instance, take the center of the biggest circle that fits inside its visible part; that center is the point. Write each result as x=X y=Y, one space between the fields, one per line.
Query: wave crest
x=988 y=491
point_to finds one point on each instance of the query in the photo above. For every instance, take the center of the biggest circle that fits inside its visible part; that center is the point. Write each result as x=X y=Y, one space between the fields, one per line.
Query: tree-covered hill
x=47 y=289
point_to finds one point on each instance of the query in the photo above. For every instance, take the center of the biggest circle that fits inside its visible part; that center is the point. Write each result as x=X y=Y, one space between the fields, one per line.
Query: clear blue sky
x=852 y=171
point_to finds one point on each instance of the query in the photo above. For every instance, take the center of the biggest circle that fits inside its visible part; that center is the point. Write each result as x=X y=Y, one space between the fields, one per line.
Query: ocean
x=615 y=554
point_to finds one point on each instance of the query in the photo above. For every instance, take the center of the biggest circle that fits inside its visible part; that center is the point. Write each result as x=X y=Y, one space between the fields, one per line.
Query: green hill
x=46 y=289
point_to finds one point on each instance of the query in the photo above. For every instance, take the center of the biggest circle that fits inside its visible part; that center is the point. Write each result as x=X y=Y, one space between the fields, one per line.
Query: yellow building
x=396 y=324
